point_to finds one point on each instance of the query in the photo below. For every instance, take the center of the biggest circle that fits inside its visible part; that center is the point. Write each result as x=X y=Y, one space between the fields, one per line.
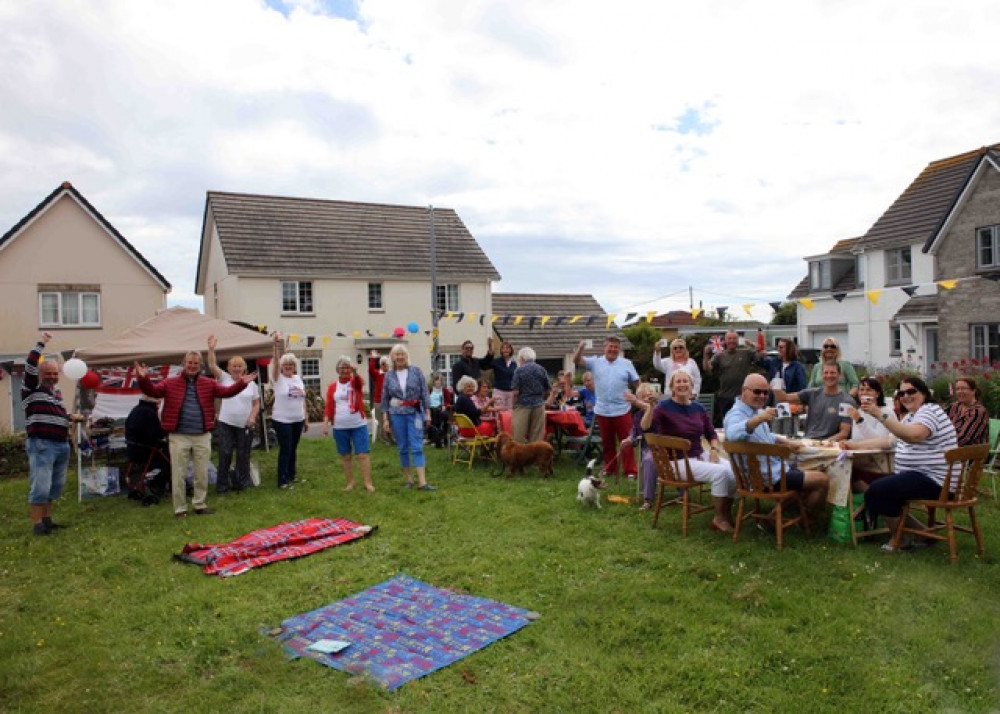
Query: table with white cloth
x=838 y=464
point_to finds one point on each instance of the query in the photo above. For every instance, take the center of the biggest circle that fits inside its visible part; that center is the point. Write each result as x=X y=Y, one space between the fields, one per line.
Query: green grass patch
x=100 y=618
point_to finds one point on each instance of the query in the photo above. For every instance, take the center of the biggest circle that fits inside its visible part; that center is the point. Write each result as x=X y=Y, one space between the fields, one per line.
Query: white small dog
x=589 y=488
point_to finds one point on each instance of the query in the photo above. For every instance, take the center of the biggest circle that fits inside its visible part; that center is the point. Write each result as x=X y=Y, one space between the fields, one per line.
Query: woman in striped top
x=971 y=420
x=923 y=435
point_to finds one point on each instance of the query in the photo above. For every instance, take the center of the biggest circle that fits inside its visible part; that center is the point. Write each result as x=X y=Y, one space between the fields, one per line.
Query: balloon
x=91 y=380
x=75 y=368
x=398 y=332
x=413 y=327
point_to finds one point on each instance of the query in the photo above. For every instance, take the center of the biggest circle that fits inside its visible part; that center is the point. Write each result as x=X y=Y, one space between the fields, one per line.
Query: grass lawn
x=99 y=618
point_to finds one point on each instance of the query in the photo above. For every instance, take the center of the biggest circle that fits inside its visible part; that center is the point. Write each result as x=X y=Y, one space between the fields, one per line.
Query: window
x=310 y=373
x=895 y=340
x=988 y=247
x=447 y=297
x=819 y=275
x=860 y=270
x=986 y=341
x=443 y=364
x=70 y=309
x=898 y=266
x=375 y=296
x=297 y=296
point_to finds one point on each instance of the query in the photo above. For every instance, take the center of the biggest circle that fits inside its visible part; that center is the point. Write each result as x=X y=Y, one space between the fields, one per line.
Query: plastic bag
x=99 y=481
x=840 y=525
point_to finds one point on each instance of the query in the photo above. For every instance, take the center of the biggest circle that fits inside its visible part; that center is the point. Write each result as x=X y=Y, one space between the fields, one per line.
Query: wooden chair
x=757 y=480
x=467 y=446
x=959 y=490
x=673 y=471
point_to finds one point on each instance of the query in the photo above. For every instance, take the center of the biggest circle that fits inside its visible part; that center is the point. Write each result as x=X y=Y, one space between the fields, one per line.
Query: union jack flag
x=122 y=380
x=717 y=344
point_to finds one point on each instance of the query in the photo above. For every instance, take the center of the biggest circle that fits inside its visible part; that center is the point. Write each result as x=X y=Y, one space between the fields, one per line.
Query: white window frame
x=984 y=341
x=820 y=275
x=991 y=234
x=310 y=369
x=897 y=270
x=445 y=361
x=64 y=299
x=860 y=270
x=297 y=287
x=447 y=298
x=376 y=298
x=895 y=340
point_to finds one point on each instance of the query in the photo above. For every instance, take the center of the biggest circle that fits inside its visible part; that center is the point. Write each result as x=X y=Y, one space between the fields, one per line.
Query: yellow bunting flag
x=807 y=303
x=518 y=319
x=262 y=328
x=494 y=319
x=575 y=319
x=293 y=338
x=326 y=342
x=874 y=295
x=747 y=308
x=611 y=319
x=449 y=315
x=650 y=315
x=947 y=284
x=472 y=316
x=545 y=318
x=356 y=334
x=696 y=313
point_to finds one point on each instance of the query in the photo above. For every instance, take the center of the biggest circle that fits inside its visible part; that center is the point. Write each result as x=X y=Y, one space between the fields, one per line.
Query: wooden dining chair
x=757 y=481
x=673 y=471
x=959 y=491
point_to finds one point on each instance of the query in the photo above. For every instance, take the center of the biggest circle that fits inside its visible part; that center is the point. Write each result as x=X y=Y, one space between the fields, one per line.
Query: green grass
x=99 y=618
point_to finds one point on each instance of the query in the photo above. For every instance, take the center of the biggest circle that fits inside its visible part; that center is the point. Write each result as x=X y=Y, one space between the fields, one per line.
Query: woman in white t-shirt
x=345 y=412
x=289 y=412
x=868 y=432
x=678 y=359
x=235 y=422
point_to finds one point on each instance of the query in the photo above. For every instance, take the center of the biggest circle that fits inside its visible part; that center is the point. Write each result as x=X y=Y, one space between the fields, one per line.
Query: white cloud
x=549 y=125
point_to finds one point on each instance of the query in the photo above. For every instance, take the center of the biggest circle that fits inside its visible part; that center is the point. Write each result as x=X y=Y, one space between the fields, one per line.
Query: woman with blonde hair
x=831 y=355
x=289 y=413
x=678 y=359
x=234 y=426
x=406 y=413
x=345 y=413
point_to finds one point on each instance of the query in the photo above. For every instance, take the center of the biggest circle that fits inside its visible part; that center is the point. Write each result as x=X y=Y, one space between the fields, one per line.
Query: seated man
x=144 y=436
x=825 y=418
x=748 y=420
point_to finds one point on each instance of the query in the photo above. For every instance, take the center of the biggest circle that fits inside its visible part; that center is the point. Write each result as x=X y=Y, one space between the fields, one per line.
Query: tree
x=786 y=314
x=643 y=337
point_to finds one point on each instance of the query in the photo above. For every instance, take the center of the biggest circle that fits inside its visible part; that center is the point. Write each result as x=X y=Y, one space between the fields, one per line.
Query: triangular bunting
x=545 y=319
x=494 y=319
x=460 y=316
x=575 y=319
x=629 y=317
x=293 y=338
x=696 y=312
x=807 y=303
x=341 y=334
x=531 y=322
x=590 y=320
x=910 y=289
x=472 y=316
x=356 y=334
x=839 y=297
x=326 y=341
x=775 y=306
x=506 y=319
x=482 y=319
x=747 y=308
x=650 y=315
x=518 y=319
x=874 y=295
x=262 y=329
x=450 y=315
x=610 y=321
x=369 y=333
x=560 y=320
x=310 y=340
x=947 y=284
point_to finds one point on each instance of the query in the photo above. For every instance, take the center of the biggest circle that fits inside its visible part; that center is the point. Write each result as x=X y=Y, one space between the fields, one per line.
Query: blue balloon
x=413 y=327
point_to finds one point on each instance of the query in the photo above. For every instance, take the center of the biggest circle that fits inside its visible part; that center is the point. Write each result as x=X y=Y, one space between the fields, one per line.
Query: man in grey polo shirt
x=824 y=419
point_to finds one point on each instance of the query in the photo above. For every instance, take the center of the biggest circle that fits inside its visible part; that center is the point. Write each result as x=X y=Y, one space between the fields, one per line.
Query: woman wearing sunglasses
x=678 y=359
x=922 y=437
x=831 y=354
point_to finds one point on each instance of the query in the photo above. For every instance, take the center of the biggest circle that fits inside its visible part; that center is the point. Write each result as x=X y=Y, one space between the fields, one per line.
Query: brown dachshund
x=517 y=456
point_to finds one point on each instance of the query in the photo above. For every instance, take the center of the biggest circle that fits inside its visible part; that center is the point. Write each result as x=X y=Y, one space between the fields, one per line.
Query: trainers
x=40 y=529
x=427 y=487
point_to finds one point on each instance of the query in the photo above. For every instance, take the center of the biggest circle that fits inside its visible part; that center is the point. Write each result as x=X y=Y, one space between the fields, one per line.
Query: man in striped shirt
x=47 y=426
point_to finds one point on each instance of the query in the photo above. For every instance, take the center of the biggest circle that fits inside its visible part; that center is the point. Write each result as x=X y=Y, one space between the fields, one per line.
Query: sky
x=636 y=151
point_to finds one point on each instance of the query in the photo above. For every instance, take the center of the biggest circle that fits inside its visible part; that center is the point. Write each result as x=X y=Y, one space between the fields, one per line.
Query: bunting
x=630 y=316
x=874 y=295
x=839 y=297
x=775 y=306
x=575 y=319
x=696 y=313
x=531 y=322
x=947 y=284
x=650 y=315
x=293 y=338
x=545 y=319
x=909 y=289
x=518 y=319
x=310 y=340
x=590 y=320
x=611 y=319
x=747 y=308
x=807 y=303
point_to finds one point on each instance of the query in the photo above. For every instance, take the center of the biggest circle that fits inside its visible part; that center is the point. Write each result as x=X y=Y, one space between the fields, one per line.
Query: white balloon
x=75 y=368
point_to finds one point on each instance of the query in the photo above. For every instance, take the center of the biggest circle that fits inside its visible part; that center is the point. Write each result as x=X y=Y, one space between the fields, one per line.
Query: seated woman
x=486 y=404
x=466 y=388
x=923 y=436
x=868 y=433
x=681 y=416
x=562 y=393
x=678 y=359
x=971 y=420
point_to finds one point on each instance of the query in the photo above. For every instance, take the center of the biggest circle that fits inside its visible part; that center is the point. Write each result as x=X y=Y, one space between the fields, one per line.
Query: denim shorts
x=349 y=440
x=47 y=462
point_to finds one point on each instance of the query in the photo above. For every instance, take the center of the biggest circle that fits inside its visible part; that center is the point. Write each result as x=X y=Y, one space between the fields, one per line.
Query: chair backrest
x=965 y=468
x=994 y=434
x=462 y=421
x=753 y=467
x=707 y=401
x=670 y=454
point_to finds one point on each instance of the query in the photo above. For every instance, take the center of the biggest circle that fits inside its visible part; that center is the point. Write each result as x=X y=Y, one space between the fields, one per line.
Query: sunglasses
x=759 y=392
x=907 y=392
x=678 y=347
x=829 y=347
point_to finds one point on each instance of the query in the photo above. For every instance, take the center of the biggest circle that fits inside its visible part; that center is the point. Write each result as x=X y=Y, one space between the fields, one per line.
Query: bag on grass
x=840 y=525
x=99 y=481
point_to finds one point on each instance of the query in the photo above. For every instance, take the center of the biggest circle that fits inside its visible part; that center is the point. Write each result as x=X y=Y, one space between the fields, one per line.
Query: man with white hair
x=530 y=386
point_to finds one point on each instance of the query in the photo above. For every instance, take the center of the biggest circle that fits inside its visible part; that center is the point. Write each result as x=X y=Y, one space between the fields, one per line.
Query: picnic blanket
x=401 y=630
x=281 y=542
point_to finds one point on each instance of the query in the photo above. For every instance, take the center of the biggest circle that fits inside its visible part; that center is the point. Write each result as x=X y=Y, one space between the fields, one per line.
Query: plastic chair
x=586 y=447
x=466 y=446
x=991 y=467
x=673 y=470
x=959 y=490
x=755 y=481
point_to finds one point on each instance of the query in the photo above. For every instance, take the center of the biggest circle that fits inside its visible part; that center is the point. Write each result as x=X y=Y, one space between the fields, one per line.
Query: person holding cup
x=827 y=416
x=868 y=432
x=785 y=371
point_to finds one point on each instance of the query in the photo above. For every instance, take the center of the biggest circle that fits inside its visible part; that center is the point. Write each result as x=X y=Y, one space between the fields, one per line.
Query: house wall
x=66 y=246
x=971 y=301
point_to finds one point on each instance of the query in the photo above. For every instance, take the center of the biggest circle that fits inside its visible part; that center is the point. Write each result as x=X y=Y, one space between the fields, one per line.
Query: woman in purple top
x=682 y=417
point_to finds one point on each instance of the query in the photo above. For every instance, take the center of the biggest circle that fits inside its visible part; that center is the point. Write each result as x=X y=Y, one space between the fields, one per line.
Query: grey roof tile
x=552 y=339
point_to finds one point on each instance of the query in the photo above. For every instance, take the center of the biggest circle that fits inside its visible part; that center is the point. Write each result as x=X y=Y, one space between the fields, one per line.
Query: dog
x=589 y=488
x=517 y=456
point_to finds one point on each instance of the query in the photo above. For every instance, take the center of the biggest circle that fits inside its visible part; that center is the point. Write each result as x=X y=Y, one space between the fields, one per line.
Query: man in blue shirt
x=749 y=420
x=613 y=376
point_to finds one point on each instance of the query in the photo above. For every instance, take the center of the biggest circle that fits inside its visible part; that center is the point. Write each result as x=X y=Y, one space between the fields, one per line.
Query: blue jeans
x=47 y=462
x=409 y=432
x=288 y=442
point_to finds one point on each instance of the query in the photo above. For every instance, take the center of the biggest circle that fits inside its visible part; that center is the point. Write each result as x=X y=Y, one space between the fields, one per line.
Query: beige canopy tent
x=168 y=335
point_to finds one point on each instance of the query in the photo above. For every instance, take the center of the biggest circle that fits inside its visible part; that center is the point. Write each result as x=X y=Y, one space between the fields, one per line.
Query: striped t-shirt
x=927 y=457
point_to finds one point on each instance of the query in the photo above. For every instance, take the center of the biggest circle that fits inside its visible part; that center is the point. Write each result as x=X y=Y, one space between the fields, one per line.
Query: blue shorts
x=352 y=440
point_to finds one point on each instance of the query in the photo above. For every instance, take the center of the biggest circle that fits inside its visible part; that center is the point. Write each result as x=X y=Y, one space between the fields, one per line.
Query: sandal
x=646 y=505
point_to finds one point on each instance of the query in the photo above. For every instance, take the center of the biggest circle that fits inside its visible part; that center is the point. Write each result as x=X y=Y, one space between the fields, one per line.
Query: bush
x=942 y=375
x=13 y=458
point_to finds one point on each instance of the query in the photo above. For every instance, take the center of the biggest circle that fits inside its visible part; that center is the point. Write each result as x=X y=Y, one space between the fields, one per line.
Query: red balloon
x=398 y=332
x=91 y=380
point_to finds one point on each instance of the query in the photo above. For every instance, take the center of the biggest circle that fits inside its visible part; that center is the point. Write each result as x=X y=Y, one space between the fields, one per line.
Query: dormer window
x=820 y=275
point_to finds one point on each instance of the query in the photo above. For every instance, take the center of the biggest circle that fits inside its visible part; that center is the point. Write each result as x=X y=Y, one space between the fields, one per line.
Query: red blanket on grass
x=281 y=542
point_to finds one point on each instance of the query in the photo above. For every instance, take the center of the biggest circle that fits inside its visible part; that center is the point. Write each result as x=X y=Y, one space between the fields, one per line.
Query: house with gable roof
x=66 y=270
x=341 y=276
x=879 y=294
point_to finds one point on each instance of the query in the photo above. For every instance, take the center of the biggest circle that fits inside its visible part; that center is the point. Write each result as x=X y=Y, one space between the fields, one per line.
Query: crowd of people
x=754 y=392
